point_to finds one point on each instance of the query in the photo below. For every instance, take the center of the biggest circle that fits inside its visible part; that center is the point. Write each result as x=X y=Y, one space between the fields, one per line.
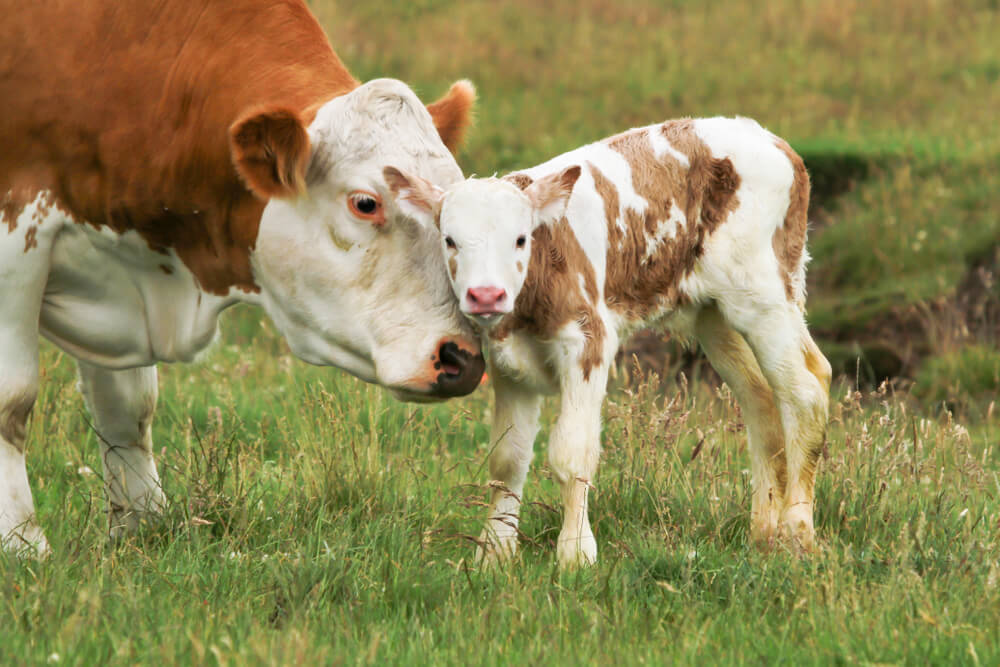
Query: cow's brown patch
x=705 y=191
x=14 y=418
x=453 y=267
x=452 y=113
x=31 y=238
x=790 y=239
x=551 y=296
x=144 y=144
x=520 y=267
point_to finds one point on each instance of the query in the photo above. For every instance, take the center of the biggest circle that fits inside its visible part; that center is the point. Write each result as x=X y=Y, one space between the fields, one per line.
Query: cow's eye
x=521 y=240
x=366 y=205
x=450 y=242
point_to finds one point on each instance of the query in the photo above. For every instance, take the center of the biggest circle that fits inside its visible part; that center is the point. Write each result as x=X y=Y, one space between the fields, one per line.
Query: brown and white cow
x=698 y=226
x=160 y=163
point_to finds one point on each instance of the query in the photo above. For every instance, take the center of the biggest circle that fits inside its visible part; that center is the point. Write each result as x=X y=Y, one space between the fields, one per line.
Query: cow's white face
x=347 y=278
x=486 y=227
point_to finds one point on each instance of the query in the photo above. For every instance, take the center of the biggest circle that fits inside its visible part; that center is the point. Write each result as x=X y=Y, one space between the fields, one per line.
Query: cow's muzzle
x=459 y=373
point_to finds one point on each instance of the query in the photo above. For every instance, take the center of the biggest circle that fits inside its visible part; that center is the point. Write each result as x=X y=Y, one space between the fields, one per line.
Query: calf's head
x=347 y=278
x=486 y=228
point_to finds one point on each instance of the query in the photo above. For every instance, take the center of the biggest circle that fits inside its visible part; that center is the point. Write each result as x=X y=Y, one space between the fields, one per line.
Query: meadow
x=314 y=520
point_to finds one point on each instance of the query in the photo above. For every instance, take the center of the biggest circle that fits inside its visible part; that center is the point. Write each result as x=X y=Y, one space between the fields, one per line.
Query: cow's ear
x=550 y=195
x=270 y=149
x=416 y=198
x=452 y=113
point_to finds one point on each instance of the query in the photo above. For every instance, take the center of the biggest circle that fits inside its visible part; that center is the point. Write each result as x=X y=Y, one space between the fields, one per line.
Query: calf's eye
x=450 y=242
x=521 y=240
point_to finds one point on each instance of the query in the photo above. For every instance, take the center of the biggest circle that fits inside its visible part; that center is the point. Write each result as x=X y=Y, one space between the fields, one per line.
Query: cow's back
x=123 y=111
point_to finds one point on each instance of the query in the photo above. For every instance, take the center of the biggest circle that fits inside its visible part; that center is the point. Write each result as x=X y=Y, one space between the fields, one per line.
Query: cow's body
x=697 y=226
x=163 y=163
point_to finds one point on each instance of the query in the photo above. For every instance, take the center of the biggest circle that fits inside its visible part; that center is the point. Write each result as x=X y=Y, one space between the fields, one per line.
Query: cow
x=161 y=163
x=697 y=226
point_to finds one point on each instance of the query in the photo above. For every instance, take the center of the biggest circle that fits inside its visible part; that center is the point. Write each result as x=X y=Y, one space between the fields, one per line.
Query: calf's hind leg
x=122 y=404
x=733 y=359
x=512 y=437
x=799 y=376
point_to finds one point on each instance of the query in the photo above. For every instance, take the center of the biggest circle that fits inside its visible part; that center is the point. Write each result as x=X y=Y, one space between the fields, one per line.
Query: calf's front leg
x=512 y=437
x=574 y=452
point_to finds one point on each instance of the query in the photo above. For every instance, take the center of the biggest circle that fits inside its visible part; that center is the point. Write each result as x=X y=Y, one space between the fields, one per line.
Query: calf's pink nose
x=485 y=299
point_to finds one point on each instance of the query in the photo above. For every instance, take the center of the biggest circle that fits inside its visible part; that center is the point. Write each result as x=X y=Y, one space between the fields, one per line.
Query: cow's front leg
x=122 y=404
x=574 y=452
x=512 y=439
x=25 y=242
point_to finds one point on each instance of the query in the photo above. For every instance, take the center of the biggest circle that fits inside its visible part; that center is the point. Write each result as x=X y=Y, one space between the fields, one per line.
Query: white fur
x=375 y=302
x=753 y=334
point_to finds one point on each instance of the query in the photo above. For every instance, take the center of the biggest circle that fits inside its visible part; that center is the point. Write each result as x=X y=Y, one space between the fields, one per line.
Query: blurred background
x=892 y=103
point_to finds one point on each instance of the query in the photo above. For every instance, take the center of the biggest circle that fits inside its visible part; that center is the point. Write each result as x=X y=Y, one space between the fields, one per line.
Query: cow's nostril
x=452 y=362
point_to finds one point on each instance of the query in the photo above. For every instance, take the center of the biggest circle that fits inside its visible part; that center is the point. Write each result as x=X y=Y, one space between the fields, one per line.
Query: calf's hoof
x=576 y=552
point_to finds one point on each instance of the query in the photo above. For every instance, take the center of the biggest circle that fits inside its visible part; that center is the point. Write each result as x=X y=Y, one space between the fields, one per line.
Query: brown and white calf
x=160 y=162
x=698 y=226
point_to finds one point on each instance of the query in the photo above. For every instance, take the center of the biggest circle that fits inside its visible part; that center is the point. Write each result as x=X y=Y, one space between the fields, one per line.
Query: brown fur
x=123 y=113
x=706 y=193
x=453 y=113
x=453 y=267
x=31 y=238
x=789 y=240
x=551 y=296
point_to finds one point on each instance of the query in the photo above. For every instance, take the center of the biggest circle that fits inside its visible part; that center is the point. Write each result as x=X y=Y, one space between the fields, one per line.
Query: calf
x=698 y=226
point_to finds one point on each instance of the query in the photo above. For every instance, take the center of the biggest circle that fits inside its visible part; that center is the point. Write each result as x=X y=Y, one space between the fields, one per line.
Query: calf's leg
x=512 y=437
x=574 y=452
x=799 y=376
x=733 y=359
x=122 y=404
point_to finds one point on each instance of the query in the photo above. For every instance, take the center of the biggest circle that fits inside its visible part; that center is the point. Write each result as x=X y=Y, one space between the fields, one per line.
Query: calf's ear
x=270 y=149
x=452 y=113
x=416 y=198
x=549 y=195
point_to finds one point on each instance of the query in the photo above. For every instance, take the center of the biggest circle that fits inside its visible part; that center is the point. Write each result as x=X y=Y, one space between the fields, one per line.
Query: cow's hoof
x=26 y=541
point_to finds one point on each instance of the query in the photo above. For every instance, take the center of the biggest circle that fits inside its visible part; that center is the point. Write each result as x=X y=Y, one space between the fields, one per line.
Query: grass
x=312 y=520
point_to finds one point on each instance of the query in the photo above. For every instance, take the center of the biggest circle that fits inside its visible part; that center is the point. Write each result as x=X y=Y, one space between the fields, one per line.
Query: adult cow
x=160 y=163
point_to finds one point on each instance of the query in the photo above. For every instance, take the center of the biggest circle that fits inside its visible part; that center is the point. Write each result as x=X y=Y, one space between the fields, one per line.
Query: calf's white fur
x=694 y=225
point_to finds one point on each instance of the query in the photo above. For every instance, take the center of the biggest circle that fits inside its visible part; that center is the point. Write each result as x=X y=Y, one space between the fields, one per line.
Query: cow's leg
x=799 y=376
x=512 y=437
x=19 y=531
x=733 y=359
x=122 y=404
x=25 y=242
x=574 y=452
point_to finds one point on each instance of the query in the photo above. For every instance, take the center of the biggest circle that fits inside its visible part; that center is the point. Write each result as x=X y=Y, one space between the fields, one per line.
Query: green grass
x=312 y=520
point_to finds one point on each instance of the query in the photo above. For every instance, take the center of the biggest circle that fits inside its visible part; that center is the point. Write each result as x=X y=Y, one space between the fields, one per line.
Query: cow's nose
x=483 y=300
x=460 y=371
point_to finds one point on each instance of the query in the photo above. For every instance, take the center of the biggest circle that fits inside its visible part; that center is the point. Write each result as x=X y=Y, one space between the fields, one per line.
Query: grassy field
x=313 y=520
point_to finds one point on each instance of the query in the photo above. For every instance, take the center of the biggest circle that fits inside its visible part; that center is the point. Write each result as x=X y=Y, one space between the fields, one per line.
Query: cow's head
x=347 y=278
x=486 y=227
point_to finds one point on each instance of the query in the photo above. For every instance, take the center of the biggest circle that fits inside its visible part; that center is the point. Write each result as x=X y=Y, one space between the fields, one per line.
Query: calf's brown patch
x=551 y=296
x=789 y=240
x=704 y=190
